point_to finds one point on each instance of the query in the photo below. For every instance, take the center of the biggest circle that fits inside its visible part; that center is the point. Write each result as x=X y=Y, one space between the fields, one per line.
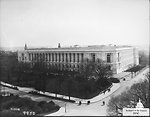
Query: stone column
x=54 y=57
x=34 y=57
x=30 y=57
x=79 y=57
x=72 y=57
x=48 y=57
x=75 y=57
x=68 y=58
x=111 y=57
x=60 y=57
x=57 y=57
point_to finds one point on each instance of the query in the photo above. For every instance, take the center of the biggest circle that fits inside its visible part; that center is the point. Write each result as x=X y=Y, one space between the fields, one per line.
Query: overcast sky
x=70 y=22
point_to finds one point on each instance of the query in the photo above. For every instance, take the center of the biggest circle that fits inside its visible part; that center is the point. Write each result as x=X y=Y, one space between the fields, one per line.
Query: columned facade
x=119 y=58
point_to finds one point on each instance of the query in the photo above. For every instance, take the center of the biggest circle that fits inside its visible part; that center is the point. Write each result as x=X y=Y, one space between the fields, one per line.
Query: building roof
x=78 y=48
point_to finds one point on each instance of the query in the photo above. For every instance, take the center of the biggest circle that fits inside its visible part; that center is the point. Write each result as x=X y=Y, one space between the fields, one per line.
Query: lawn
x=14 y=105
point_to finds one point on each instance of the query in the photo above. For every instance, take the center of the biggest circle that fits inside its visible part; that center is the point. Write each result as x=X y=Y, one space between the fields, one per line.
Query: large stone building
x=119 y=58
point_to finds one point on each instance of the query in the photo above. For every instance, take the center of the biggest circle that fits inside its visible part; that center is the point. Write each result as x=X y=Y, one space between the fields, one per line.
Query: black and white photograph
x=74 y=58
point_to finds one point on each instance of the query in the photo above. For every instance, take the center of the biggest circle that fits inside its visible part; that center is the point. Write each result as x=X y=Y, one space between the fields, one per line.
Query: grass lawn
x=14 y=105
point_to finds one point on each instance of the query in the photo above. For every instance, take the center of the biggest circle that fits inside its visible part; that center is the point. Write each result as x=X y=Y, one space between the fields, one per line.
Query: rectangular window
x=73 y=57
x=93 y=57
x=32 y=57
x=70 y=56
x=108 y=57
x=43 y=57
x=49 y=57
x=52 y=56
x=66 y=57
x=56 y=57
x=35 y=58
x=63 y=57
x=40 y=57
x=46 y=56
x=59 y=57
x=78 y=57
x=82 y=57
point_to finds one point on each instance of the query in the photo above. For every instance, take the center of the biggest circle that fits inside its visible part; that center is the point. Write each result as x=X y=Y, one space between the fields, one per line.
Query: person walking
x=103 y=103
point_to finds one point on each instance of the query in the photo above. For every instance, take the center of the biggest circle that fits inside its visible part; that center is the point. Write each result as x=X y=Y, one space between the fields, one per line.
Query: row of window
x=57 y=57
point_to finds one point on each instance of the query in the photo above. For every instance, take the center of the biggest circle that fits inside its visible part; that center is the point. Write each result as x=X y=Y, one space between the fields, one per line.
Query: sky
x=73 y=22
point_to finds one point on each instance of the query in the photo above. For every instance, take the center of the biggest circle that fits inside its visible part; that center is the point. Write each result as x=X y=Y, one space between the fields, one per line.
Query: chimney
x=25 y=47
x=59 y=45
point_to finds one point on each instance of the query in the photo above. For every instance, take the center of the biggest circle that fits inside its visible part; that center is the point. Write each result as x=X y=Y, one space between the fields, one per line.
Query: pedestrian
x=103 y=103
x=79 y=102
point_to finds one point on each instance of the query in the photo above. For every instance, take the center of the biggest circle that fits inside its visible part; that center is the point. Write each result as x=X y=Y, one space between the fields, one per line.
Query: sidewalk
x=100 y=96
x=80 y=112
x=61 y=111
x=114 y=87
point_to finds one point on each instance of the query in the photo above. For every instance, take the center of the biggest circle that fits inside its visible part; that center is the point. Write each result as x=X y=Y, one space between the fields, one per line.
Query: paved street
x=93 y=109
x=96 y=109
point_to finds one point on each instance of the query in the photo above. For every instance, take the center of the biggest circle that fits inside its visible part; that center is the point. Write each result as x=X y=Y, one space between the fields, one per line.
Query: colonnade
x=56 y=57
x=60 y=60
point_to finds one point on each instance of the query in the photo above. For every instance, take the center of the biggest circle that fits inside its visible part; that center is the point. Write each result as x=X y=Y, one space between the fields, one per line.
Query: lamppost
x=65 y=107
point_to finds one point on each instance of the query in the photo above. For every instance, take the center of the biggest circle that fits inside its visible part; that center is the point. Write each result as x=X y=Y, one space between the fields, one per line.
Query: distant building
x=119 y=58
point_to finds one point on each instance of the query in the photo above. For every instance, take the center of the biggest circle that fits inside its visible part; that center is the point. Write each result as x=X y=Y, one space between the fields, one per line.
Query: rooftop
x=83 y=48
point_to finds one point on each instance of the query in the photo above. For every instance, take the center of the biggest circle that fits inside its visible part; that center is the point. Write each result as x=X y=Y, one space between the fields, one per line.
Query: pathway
x=96 y=109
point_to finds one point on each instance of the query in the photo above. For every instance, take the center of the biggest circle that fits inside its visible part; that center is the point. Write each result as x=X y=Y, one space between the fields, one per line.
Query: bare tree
x=130 y=98
x=99 y=69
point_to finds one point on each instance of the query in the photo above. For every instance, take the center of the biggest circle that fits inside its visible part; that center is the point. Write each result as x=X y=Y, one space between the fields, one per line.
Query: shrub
x=26 y=104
